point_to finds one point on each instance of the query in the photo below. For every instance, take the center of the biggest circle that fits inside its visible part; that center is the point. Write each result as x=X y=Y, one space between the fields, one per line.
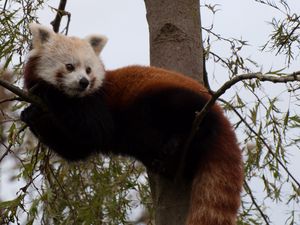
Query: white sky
x=124 y=23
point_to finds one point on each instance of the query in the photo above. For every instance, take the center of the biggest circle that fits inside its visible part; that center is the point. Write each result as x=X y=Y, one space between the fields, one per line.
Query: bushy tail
x=215 y=197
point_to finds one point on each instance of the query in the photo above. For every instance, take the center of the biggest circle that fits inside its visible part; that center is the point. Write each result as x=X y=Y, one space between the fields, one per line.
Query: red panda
x=142 y=112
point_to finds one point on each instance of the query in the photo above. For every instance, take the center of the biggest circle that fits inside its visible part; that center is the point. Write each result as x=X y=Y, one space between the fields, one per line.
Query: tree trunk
x=175 y=44
x=175 y=36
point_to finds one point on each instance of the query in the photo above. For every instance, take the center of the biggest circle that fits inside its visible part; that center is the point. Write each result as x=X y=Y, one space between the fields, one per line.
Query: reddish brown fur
x=30 y=77
x=215 y=196
x=126 y=84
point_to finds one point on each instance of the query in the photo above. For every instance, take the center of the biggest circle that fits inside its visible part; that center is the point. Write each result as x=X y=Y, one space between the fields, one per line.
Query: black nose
x=83 y=83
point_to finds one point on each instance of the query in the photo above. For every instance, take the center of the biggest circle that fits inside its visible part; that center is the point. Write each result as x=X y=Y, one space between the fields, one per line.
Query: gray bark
x=175 y=36
x=175 y=44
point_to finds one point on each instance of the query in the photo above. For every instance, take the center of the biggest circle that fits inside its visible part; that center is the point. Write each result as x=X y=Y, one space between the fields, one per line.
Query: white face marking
x=79 y=54
x=68 y=63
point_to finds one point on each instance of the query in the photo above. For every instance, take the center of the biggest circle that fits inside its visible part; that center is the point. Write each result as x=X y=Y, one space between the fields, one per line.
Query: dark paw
x=30 y=114
x=25 y=115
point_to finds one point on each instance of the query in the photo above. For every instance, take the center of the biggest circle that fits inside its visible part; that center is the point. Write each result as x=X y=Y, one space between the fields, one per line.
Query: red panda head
x=70 y=64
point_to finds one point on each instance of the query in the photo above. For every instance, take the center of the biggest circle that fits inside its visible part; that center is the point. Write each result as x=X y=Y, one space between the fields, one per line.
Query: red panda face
x=68 y=63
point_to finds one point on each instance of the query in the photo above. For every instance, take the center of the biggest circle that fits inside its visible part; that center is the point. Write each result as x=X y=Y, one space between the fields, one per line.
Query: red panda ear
x=97 y=42
x=40 y=34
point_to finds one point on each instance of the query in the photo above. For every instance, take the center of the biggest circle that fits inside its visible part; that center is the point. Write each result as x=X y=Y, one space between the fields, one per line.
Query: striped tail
x=215 y=196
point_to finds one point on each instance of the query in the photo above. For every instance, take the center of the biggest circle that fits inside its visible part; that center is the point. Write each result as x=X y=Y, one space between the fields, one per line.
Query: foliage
x=97 y=192
x=104 y=190
x=15 y=16
x=285 y=38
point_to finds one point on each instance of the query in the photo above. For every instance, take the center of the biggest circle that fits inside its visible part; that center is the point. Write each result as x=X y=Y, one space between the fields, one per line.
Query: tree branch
x=25 y=96
x=227 y=85
x=248 y=190
x=60 y=12
x=262 y=77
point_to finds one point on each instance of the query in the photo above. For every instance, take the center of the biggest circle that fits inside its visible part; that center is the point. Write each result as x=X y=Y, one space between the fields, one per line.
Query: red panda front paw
x=31 y=113
x=35 y=118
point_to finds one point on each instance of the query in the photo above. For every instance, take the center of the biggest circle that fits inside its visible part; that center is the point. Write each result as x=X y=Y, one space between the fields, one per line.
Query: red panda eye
x=88 y=70
x=70 y=67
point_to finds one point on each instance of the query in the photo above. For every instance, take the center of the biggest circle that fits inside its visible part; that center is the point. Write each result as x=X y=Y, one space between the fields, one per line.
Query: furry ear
x=97 y=42
x=40 y=34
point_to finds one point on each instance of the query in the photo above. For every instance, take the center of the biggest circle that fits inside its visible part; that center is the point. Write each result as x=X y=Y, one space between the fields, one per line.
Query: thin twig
x=248 y=190
x=217 y=58
x=205 y=75
x=8 y=148
x=288 y=37
x=11 y=100
x=68 y=23
x=4 y=7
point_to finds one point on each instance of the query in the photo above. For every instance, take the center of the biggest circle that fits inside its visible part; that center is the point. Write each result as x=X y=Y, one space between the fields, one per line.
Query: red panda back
x=126 y=84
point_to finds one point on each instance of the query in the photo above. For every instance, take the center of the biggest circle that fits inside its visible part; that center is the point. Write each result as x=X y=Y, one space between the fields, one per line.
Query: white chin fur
x=76 y=92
